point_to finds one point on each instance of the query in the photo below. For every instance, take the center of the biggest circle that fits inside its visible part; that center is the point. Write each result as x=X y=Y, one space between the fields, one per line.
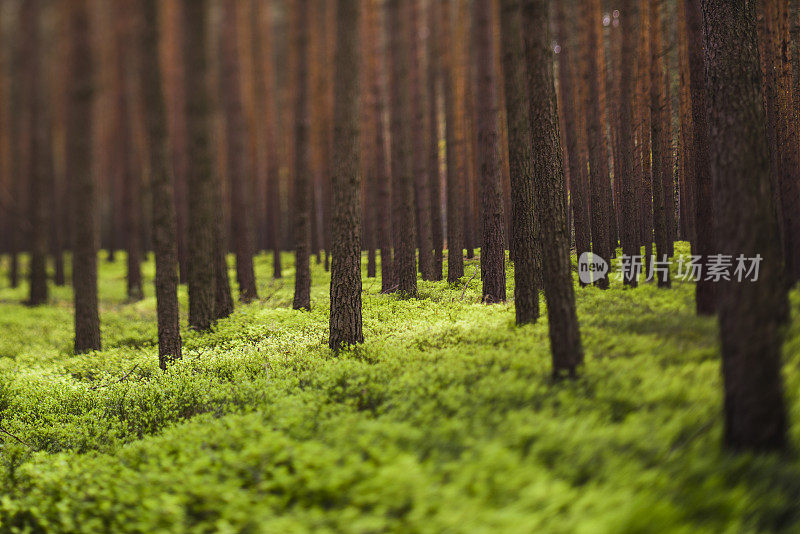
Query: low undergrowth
x=445 y=420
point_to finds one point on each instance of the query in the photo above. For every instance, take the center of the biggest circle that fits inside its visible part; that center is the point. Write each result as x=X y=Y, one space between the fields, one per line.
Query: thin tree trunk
x=704 y=245
x=548 y=171
x=345 y=319
x=434 y=81
x=520 y=155
x=420 y=159
x=164 y=225
x=200 y=178
x=626 y=177
x=37 y=212
x=598 y=153
x=302 y=168
x=402 y=176
x=454 y=143
x=659 y=128
x=749 y=311
x=79 y=139
x=493 y=269
x=238 y=174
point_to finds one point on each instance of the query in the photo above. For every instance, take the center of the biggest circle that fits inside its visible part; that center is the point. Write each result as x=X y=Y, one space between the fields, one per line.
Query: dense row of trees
x=408 y=128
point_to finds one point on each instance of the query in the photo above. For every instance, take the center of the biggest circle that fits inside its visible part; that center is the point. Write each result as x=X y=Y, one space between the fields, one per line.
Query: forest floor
x=445 y=420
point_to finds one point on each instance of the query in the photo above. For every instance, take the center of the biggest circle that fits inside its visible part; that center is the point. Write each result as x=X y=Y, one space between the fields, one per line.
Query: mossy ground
x=445 y=420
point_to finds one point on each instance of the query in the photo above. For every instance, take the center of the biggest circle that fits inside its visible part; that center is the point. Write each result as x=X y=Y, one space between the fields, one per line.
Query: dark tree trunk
x=493 y=268
x=163 y=199
x=626 y=177
x=200 y=180
x=749 y=312
x=659 y=128
x=382 y=179
x=454 y=134
x=434 y=80
x=345 y=320
x=32 y=97
x=520 y=155
x=420 y=160
x=548 y=171
x=598 y=153
x=646 y=183
x=571 y=105
x=302 y=152
x=398 y=19
x=79 y=139
x=688 y=208
x=704 y=244
x=238 y=175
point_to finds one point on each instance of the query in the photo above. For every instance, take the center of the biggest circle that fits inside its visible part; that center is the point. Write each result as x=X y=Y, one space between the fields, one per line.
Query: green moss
x=446 y=419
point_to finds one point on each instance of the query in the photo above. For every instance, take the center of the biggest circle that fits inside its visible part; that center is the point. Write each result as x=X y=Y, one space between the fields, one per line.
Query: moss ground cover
x=445 y=420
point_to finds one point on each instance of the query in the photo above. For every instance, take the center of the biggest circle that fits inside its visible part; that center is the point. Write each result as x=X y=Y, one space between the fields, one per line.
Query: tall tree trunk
x=520 y=155
x=659 y=128
x=36 y=166
x=422 y=172
x=79 y=139
x=163 y=204
x=571 y=105
x=705 y=243
x=627 y=178
x=548 y=171
x=749 y=312
x=434 y=81
x=645 y=119
x=345 y=320
x=200 y=178
x=687 y=156
x=302 y=167
x=454 y=144
x=598 y=153
x=238 y=173
x=398 y=19
x=493 y=269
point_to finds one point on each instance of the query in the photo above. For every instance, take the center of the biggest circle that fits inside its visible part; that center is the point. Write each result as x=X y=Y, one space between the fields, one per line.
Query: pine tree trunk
x=434 y=81
x=454 y=144
x=571 y=106
x=493 y=270
x=627 y=178
x=705 y=243
x=345 y=319
x=79 y=139
x=548 y=171
x=749 y=312
x=238 y=175
x=302 y=168
x=598 y=153
x=398 y=20
x=520 y=155
x=164 y=226
x=200 y=180
x=659 y=128
x=37 y=212
x=688 y=208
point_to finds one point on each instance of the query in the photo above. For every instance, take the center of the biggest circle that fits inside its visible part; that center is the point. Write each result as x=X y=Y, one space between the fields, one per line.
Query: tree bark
x=200 y=180
x=454 y=144
x=345 y=319
x=434 y=81
x=598 y=153
x=705 y=290
x=520 y=155
x=402 y=175
x=238 y=173
x=548 y=171
x=493 y=269
x=302 y=168
x=749 y=312
x=79 y=138
x=163 y=197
